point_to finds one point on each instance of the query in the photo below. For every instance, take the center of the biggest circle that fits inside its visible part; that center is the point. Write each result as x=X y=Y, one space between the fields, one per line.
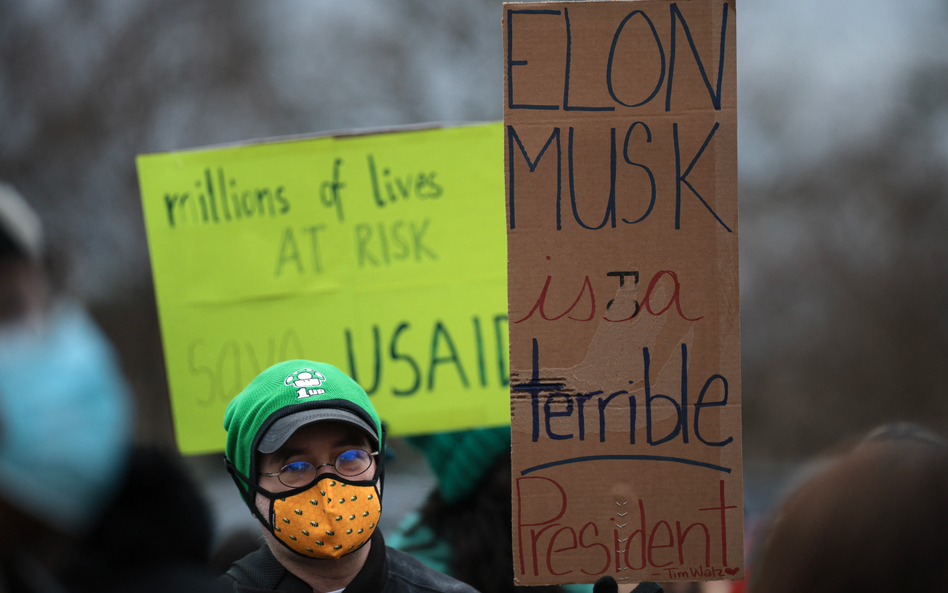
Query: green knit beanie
x=460 y=460
x=283 y=398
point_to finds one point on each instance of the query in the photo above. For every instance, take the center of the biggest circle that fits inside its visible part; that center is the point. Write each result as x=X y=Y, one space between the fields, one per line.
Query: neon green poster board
x=382 y=254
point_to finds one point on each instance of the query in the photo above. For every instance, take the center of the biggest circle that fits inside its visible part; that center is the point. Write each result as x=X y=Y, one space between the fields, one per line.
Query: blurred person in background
x=232 y=547
x=465 y=527
x=23 y=284
x=81 y=509
x=871 y=519
x=154 y=536
x=65 y=411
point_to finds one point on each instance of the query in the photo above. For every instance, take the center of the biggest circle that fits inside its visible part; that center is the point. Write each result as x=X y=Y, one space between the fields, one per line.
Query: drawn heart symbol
x=731 y=571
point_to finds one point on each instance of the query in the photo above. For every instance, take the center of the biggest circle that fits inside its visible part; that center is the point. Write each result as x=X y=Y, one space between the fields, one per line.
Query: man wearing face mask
x=306 y=450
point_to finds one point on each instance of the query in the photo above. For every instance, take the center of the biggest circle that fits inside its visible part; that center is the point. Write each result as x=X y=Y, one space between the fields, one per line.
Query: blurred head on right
x=873 y=519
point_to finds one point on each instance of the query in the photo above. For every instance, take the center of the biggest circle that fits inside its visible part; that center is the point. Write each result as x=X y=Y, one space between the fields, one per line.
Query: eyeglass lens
x=297 y=473
x=348 y=463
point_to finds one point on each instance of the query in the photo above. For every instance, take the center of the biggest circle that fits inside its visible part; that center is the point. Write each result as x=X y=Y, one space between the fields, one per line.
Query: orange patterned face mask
x=329 y=520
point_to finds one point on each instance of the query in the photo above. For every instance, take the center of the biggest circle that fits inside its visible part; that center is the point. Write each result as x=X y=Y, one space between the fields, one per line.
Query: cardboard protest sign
x=382 y=254
x=621 y=167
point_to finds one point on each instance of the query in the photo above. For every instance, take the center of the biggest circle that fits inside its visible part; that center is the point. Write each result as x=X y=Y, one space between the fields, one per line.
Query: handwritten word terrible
x=536 y=386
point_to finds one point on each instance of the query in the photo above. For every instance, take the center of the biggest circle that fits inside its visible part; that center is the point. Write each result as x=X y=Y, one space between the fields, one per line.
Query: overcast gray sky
x=814 y=75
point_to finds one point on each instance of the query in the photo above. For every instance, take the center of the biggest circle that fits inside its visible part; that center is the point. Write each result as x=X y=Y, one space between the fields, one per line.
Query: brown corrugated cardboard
x=623 y=293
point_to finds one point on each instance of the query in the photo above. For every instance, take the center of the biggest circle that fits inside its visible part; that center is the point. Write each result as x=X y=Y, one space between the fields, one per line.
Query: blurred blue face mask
x=65 y=419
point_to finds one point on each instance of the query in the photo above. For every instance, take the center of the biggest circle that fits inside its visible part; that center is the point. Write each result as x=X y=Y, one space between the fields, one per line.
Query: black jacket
x=386 y=570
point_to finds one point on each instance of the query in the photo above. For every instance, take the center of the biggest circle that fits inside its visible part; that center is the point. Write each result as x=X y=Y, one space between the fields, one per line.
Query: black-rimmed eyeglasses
x=300 y=473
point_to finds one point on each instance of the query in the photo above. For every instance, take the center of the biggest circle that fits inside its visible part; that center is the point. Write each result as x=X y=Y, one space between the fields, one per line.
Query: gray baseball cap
x=283 y=429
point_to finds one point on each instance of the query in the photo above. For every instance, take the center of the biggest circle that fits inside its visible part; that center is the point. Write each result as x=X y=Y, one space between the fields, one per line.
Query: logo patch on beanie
x=306 y=380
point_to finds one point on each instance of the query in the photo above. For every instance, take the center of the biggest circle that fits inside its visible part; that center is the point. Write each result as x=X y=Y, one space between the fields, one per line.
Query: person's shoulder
x=257 y=570
x=408 y=574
